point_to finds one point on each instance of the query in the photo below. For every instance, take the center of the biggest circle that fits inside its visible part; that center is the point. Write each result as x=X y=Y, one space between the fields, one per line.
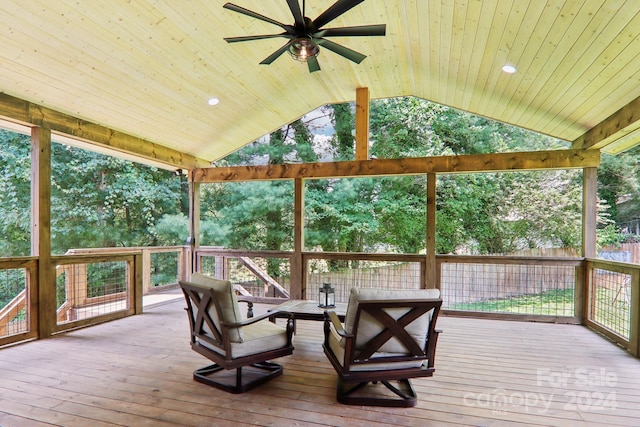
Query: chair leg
x=240 y=381
x=366 y=394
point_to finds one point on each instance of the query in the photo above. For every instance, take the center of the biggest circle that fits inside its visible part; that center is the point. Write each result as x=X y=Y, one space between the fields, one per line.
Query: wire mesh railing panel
x=611 y=301
x=91 y=290
x=531 y=289
x=258 y=276
x=346 y=274
x=164 y=268
x=14 y=303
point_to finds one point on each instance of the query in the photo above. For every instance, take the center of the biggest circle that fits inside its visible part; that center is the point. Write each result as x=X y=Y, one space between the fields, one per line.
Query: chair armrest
x=257 y=319
x=332 y=317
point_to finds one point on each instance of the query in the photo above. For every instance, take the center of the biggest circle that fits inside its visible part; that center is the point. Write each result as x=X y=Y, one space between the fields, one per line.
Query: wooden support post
x=589 y=211
x=194 y=222
x=589 y=219
x=41 y=229
x=431 y=279
x=362 y=123
x=298 y=273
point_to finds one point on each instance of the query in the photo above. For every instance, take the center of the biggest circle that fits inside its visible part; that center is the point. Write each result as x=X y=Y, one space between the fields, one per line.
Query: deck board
x=137 y=371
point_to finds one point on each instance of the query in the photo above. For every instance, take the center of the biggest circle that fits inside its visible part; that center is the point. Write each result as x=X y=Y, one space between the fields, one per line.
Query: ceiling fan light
x=303 y=48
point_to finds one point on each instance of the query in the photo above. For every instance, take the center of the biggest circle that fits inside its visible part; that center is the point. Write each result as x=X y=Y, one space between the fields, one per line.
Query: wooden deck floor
x=137 y=371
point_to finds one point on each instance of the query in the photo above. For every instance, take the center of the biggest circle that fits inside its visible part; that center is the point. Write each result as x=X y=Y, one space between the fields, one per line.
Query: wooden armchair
x=387 y=338
x=219 y=334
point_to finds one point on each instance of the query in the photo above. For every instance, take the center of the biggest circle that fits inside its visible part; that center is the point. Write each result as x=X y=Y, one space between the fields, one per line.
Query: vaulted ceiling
x=136 y=76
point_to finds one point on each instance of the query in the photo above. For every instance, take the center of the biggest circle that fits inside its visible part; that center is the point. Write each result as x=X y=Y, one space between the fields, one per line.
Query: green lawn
x=610 y=312
x=555 y=303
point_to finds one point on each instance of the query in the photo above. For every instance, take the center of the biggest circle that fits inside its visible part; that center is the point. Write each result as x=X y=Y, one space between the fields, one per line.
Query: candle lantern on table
x=326 y=296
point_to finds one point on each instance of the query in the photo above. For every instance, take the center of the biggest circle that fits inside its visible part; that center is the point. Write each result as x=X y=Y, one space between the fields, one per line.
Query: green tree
x=103 y=201
x=619 y=185
x=15 y=190
x=343 y=141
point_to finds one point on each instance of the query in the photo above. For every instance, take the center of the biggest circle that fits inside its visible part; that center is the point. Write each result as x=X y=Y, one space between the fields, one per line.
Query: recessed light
x=507 y=68
x=213 y=101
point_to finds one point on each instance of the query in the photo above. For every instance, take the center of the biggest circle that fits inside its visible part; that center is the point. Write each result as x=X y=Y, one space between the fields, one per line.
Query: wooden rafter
x=610 y=135
x=30 y=114
x=532 y=160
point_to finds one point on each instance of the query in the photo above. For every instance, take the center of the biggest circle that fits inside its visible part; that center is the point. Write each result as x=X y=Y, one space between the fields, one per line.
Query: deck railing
x=92 y=286
x=18 y=301
x=612 y=303
x=515 y=287
x=95 y=285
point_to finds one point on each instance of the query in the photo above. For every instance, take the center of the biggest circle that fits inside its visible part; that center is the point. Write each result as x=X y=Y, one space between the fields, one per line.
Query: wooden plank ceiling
x=146 y=68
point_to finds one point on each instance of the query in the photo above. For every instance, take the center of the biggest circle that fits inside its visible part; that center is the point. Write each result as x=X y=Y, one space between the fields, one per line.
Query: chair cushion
x=227 y=300
x=369 y=327
x=258 y=338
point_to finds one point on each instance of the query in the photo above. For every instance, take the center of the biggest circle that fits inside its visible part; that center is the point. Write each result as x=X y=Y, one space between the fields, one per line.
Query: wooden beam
x=532 y=160
x=362 y=123
x=30 y=114
x=615 y=133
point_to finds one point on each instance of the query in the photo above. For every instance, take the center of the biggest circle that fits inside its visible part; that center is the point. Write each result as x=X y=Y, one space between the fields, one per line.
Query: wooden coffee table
x=307 y=310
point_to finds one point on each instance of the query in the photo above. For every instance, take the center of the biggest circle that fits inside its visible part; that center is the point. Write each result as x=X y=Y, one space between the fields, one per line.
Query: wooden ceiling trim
x=614 y=128
x=15 y=109
x=532 y=160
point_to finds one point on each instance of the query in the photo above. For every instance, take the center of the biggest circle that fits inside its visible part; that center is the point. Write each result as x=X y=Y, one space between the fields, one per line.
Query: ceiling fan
x=306 y=35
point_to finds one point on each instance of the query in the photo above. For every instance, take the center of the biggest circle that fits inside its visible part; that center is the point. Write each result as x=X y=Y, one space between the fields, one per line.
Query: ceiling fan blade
x=294 y=6
x=269 y=59
x=363 y=30
x=341 y=50
x=337 y=9
x=235 y=8
x=258 y=37
x=313 y=64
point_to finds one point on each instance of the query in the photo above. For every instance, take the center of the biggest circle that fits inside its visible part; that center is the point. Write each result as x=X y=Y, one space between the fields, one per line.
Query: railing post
x=588 y=298
x=634 y=333
x=181 y=273
x=146 y=270
x=580 y=292
x=220 y=267
x=135 y=277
